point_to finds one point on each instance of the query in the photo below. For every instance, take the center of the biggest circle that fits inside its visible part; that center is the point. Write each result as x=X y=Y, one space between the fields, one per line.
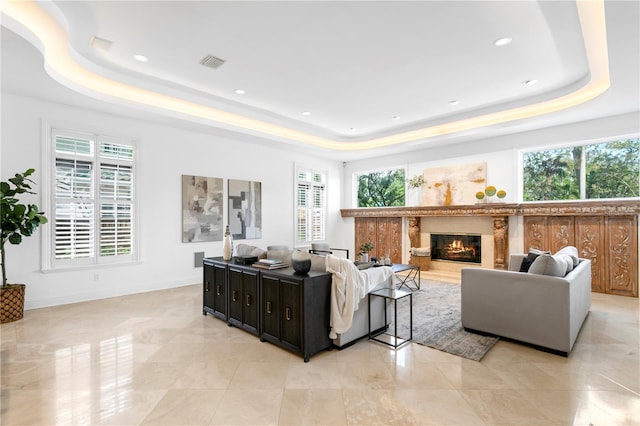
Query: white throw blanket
x=348 y=286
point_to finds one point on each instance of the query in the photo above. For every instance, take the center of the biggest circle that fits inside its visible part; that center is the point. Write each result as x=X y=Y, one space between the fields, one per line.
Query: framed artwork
x=449 y=186
x=202 y=199
x=245 y=209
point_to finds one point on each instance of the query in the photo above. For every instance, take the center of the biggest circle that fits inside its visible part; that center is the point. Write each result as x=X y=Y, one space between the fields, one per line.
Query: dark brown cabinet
x=243 y=298
x=295 y=311
x=283 y=308
x=214 y=289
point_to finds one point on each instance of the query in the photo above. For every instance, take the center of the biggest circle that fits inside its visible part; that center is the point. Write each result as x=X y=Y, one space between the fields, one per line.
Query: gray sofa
x=542 y=310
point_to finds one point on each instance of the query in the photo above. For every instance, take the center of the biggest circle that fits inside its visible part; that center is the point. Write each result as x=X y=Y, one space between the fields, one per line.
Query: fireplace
x=456 y=247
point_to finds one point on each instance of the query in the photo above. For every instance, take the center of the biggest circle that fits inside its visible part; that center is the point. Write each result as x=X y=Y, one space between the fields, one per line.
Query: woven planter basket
x=11 y=303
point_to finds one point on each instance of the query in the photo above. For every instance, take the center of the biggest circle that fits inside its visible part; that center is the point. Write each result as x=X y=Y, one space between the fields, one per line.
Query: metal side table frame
x=393 y=295
x=412 y=277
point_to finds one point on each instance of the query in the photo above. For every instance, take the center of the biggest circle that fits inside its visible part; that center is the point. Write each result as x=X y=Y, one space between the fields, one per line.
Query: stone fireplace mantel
x=500 y=213
x=576 y=208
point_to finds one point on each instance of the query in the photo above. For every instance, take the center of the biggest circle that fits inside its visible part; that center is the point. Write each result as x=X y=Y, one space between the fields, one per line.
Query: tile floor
x=154 y=359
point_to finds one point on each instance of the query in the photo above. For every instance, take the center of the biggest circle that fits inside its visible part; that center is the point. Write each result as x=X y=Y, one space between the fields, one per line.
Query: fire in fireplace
x=456 y=247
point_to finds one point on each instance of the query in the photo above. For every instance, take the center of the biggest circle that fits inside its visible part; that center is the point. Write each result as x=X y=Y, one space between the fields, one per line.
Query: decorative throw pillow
x=248 y=250
x=531 y=256
x=572 y=252
x=555 y=266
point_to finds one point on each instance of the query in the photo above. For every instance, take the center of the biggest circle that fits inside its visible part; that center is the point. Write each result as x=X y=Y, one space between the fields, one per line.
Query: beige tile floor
x=154 y=359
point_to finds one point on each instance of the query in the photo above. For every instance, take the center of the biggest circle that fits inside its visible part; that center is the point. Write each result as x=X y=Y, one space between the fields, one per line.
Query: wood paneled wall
x=610 y=242
x=385 y=233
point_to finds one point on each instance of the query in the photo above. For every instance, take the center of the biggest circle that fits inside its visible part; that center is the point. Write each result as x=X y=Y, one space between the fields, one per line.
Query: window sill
x=91 y=267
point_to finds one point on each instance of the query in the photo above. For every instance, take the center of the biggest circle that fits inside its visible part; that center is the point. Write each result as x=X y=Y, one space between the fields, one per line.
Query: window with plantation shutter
x=310 y=205
x=93 y=197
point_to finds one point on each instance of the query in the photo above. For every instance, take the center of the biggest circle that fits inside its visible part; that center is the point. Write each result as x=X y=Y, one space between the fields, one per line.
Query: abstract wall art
x=202 y=203
x=245 y=209
x=454 y=185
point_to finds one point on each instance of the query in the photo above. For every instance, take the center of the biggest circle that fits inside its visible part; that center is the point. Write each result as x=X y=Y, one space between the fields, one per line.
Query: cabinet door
x=381 y=243
x=365 y=232
x=394 y=227
x=235 y=296
x=208 y=300
x=250 y=300
x=561 y=232
x=535 y=233
x=215 y=278
x=590 y=244
x=219 y=290
x=384 y=232
x=622 y=255
x=270 y=306
x=291 y=313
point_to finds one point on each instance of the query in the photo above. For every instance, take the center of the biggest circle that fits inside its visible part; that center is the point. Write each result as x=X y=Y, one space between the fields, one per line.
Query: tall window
x=603 y=170
x=93 y=199
x=311 y=205
x=383 y=188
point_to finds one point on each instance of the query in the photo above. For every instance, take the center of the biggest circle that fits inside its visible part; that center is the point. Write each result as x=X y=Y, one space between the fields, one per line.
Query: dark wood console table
x=280 y=306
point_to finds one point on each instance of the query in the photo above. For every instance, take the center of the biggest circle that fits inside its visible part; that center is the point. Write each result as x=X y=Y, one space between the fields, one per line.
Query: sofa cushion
x=531 y=256
x=318 y=263
x=282 y=254
x=554 y=265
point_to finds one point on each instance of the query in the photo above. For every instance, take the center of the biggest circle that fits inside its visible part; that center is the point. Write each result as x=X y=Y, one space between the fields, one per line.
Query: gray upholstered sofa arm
x=542 y=310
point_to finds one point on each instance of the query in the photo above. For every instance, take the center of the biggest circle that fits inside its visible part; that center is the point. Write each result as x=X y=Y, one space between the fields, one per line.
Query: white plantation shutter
x=94 y=199
x=74 y=230
x=311 y=205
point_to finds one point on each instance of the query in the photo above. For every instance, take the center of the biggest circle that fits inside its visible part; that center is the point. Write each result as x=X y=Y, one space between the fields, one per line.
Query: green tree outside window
x=605 y=170
x=382 y=188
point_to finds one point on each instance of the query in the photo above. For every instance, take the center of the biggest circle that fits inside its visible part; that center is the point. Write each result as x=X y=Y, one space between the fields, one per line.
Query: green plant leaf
x=15 y=238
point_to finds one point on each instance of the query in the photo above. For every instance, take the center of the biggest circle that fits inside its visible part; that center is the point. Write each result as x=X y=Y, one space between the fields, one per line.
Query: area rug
x=437 y=321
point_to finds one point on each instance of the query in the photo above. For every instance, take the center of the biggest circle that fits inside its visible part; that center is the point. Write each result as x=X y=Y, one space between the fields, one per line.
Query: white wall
x=164 y=154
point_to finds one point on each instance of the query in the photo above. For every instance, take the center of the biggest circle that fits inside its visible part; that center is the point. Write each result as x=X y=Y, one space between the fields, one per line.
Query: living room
x=168 y=147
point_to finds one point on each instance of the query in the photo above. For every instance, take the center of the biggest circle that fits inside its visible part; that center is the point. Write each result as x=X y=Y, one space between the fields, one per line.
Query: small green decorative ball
x=490 y=191
x=502 y=193
x=479 y=195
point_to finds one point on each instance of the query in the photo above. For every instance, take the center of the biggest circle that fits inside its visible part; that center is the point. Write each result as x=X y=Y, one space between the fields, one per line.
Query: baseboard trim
x=106 y=294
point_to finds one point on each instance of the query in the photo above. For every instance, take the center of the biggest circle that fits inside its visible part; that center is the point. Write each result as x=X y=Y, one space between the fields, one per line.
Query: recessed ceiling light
x=306 y=113
x=454 y=102
x=396 y=117
x=529 y=82
x=239 y=92
x=353 y=129
x=502 y=41
x=140 y=58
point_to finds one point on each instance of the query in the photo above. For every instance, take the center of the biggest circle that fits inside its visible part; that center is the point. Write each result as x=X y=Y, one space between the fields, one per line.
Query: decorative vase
x=227 y=245
x=12 y=303
x=301 y=261
x=364 y=257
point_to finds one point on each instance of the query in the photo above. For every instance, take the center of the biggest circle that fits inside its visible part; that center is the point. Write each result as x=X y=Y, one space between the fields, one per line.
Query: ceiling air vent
x=100 y=43
x=212 y=62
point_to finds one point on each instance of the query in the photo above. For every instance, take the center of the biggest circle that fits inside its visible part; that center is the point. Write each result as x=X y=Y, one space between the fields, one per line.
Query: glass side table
x=411 y=278
x=394 y=295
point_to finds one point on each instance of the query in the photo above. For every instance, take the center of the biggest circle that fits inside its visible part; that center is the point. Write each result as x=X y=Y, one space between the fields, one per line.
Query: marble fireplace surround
x=422 y=220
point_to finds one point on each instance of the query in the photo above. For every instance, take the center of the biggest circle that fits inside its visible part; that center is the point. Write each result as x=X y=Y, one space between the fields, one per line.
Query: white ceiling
x=354 y=65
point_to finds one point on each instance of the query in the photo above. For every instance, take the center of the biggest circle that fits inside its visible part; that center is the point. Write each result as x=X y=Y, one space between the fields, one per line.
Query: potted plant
x=364 y=251
x=17 y=220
